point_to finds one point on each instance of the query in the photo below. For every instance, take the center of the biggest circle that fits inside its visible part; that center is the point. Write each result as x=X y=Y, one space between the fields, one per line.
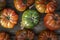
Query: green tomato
x=30 y=18
x=2 y=4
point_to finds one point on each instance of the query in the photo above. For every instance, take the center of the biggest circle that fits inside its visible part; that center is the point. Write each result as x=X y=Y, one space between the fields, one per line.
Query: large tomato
x=24 y=35
x=47 y=35
x=52 y=21
x=8 y=18
x=29 y=19
x=2 y=3
x=45 y=6
x=22 y=5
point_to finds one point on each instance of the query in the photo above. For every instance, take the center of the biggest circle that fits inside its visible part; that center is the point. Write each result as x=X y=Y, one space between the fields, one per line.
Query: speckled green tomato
x=2 y=4
x=30 y=18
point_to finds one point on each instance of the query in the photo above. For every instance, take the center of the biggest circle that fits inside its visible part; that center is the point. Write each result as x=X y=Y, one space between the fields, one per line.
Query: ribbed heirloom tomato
x=21 y=5
x=24 y=35
x=29 y=19
x=47 y=35
x=45 y=6
x=52 y=21
x=8 y=18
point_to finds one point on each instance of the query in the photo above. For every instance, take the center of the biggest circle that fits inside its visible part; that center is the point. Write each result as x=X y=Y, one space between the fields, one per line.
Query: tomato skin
x=47 y=35
x=41 y=8
x=51 y=7
x=4 y=36
x=24 y=35
x=2 y=4
x=8 y=18
x=44 y=6
x=52 y=21
x=21 y=6
x=29 y=19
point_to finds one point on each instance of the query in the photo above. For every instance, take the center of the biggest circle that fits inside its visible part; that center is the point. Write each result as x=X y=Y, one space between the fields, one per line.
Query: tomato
x=47 y=35
x=52 y=21
x=4 y=36
x=8 y=18
x=2 y=4
x=45 y=6
x=24 y=35
x=29 y=19
x=21 y=5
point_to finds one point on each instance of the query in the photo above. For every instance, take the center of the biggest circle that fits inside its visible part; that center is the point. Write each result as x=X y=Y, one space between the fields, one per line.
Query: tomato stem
x=8 y=17
x=31 y=6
